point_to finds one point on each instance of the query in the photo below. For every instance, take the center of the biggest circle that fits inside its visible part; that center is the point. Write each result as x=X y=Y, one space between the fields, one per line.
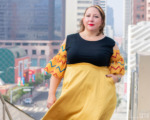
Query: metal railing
x=5 y=109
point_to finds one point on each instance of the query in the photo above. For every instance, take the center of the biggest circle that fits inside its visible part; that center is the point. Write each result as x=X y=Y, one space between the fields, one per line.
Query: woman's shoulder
x=109 y=38
x=72 y=35
x=71 y=38
x=110 y=41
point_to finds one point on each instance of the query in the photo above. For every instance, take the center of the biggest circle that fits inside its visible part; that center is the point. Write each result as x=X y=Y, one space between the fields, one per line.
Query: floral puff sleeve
x=57 y=65
x=116 y=63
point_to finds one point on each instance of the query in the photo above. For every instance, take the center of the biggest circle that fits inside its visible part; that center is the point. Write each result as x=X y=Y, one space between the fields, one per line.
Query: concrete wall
x=143 y=106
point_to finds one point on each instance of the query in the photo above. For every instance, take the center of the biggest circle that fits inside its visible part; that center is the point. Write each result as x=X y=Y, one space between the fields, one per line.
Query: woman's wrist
x=118 y=78
x=52 y=93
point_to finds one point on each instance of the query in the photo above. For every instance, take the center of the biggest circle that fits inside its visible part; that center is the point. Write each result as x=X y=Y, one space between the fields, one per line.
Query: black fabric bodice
x=94 y=52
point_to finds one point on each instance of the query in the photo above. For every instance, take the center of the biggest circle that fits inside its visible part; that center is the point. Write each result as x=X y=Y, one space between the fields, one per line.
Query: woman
x=91 y=65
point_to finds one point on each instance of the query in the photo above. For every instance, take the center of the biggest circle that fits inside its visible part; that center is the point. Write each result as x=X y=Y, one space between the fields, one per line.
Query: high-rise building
x=4 y=18
x=51 y=18
x=109 y=31
x=101 y=3
x=63 y=24
x=110 y=14
x=139 y=11
x=60 y=11
x=31 y=24
x=139 y=38
x=148 y=10
x=127 y=20
x=27 y=20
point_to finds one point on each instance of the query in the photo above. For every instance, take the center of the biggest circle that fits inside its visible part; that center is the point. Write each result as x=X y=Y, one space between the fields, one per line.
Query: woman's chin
x=92 y=29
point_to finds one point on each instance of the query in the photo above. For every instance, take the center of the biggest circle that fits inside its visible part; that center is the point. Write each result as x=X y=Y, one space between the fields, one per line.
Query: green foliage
x=38 y=79
x=6 y=97
x=17 y=94
x=47 y=76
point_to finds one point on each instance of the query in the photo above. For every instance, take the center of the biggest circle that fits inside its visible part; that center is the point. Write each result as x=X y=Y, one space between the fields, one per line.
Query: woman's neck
x=91 y=36
x=90 y=33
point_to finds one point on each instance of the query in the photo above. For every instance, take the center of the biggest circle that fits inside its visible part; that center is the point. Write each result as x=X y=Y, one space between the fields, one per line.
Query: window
x=42 y=62
x=1 y=43
x=138 y=16
x=80 y=14
x=84 y=2
x=42 y=52
x=55 y=43
x=142 y=16
x=142 y=7
x=26 y=51
x=43 y=44
x=33 y=61
x=34 y=44
x=25 y=44
x=33 y=52
x=55 y=51
x=18 y=55
x=8 y=43
x=148 y=11
x=138 y=7
x=82 y=8
x=17 y=44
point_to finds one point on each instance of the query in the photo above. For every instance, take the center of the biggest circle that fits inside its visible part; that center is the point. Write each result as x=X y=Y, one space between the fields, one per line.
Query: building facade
x=139 y=11
x=127 y=20
x=14 y=63
x=139 y=38
x=148 y=10
x=4 y=18
x=27 y=20
x=39 y=52
x=110 y=13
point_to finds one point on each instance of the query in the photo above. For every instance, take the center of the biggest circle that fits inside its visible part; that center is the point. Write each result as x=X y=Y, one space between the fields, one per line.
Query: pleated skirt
x=87 y=94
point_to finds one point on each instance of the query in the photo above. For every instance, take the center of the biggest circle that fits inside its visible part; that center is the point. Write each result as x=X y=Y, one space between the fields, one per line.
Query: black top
x=94 y=52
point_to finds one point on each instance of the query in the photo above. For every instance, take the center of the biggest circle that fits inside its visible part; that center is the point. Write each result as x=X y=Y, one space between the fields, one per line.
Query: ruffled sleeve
x=116 y=63
x=57 y=65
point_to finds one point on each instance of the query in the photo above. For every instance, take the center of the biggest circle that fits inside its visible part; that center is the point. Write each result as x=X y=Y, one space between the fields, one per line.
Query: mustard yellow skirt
x=87 y=94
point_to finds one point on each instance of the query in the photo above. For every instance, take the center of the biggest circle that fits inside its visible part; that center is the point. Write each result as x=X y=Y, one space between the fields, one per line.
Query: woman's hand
x=115 y=77
x=51 y=100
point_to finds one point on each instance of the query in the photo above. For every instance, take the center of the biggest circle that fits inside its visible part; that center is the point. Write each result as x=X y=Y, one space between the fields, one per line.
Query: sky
x=117 y=6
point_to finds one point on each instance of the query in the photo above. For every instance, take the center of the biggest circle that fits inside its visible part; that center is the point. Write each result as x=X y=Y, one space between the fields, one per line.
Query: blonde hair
x=101 y=29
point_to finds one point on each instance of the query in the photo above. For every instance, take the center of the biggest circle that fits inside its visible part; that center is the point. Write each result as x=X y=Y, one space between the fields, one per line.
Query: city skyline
x=117 y=6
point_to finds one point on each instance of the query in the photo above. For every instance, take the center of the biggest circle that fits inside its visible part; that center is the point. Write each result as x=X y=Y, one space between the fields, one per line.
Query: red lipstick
x=91 y=24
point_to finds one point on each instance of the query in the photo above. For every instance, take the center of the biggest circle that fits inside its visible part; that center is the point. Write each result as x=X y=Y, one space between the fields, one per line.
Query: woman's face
x=92 y=19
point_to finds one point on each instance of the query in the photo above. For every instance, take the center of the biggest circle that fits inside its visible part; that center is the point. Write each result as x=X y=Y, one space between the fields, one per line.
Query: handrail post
x=132 y=93
x=3 y=111
x=5 y=108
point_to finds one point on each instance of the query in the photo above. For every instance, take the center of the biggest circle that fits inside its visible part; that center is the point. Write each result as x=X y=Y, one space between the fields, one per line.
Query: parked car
x=27 y=100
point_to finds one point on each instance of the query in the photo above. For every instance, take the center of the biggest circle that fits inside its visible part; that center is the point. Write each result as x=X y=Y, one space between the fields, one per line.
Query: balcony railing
x=11 y=112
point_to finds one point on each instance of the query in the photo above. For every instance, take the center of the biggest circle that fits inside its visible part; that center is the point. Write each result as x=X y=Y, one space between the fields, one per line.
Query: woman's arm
x=54 y=82
x=116 y=77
